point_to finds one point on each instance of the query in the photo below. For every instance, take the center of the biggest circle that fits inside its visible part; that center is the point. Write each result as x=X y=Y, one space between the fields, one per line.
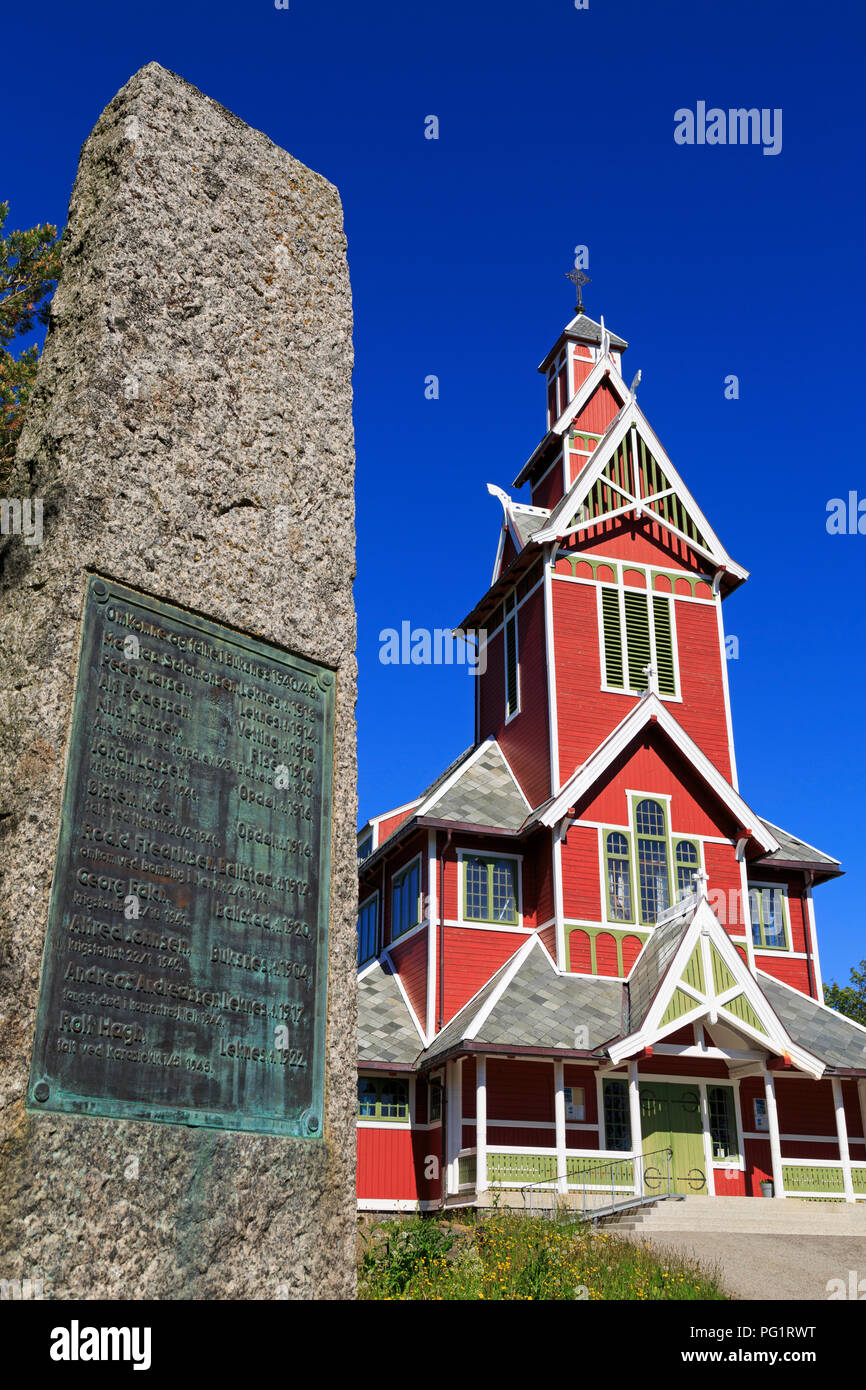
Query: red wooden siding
x=543 y=846
x=548 y=936
x=468 y=1088
x=471 y=957
x=580 y=952
x=427 y=1144
x=853 y=1116
x=805 y=1107
x=387 y=826
x=386 y=1163
x=682 y=1066
x=724 y=888
x=602 y=407
x=631 y=949
x=652 y=766
x=729 y=1182
x=524 y=739
x=606 y=956
x=702 y=713
x=791 y=972
x=581 y=889
x=585 y=715
x=548 y=491
x=410 y=962
x=519 y=1090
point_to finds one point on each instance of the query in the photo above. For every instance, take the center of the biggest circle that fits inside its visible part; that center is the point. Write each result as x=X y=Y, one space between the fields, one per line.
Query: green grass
x=507 y=1256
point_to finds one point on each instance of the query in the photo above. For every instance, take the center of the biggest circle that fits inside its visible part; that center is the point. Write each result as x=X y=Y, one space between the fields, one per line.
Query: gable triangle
x=694 y=972
x=722 y=977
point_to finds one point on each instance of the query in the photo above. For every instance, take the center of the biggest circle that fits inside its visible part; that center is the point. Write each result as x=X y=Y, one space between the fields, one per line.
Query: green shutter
x=664 y=645
x=612 y=637
x=638 y=638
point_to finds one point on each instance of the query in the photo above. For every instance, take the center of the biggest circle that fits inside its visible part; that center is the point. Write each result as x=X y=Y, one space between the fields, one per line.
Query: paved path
x=768 y=1266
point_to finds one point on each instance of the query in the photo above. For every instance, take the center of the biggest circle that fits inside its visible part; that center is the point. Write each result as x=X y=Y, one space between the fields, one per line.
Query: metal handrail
x=613 y=1163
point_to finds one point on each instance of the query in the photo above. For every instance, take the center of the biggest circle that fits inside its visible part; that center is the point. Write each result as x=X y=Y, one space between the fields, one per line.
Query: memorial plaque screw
x=312 y=1123
x=100 y=591
x=40 y=1091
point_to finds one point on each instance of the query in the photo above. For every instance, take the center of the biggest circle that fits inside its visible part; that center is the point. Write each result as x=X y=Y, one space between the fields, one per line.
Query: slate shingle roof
x=484 y=794
x=386 y=1032
x=543 y=1009
x=528 y=523
x=539 y=1008
x=652 y=963
x=582 y=326
x=796 y=850
x=828 y=1035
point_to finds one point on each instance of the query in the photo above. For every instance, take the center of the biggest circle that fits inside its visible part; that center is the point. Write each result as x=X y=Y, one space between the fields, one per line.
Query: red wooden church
x=584 y=958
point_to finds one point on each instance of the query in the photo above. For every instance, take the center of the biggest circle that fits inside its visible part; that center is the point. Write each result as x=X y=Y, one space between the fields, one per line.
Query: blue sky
x=556 y=129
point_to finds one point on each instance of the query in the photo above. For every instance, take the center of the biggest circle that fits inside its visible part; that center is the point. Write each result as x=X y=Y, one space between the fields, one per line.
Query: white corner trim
x=456 y=775
x=513 y=966
x=703 y=922
x=605 y=367
x=639 y=715
x=510 y=769
x=412 y=1014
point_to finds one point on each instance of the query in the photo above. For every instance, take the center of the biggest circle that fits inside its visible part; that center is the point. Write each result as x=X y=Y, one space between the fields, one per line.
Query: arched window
x=688 y=864
x=618 y=878
x=652 y=860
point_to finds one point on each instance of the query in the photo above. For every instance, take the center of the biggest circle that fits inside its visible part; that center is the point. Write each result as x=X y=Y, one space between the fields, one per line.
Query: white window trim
x=365 y=1122
x=702 y=1085
x=648 y=594
x=396 y=878
x=515 y=614
x=788 y=949
x=361 y=905
x=462 y=919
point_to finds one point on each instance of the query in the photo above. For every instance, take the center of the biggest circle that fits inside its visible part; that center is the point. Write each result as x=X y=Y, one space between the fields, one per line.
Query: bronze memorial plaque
x=184 y=978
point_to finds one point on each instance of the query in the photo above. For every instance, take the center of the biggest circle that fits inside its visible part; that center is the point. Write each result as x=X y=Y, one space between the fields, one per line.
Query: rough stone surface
x=190 y=434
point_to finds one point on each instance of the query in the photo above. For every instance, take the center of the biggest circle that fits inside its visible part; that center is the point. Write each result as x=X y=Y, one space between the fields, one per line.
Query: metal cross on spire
x=578 y=279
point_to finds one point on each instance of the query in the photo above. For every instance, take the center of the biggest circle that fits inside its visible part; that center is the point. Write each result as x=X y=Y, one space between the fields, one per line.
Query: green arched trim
x=618 y=934
x=575 y=559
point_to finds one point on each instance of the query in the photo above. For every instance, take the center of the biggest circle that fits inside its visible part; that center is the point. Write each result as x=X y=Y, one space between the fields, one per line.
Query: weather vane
x=578 y=279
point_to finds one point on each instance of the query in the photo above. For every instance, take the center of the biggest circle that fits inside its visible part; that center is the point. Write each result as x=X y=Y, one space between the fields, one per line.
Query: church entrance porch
x=570 y=1138
x=671 y=1118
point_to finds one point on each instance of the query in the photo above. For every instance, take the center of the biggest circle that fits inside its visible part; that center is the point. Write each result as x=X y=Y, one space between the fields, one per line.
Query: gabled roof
x=482 y=791
x=519 y=520
x=386 y=1032
x=587 y=330
x=692 y=527
x=797 y=853
x=652 y=964
x=837 y=1040
x=688 y=971
x=528 y=1003
x=705 y=978
x=478 y=789
x=650 y=709
x=604 y=371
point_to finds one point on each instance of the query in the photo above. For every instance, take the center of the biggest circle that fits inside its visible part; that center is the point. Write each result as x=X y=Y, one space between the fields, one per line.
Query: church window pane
x=618 y=878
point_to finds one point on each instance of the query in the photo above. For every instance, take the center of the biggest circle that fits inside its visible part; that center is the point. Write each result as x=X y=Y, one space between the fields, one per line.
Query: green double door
x=670 y=1117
